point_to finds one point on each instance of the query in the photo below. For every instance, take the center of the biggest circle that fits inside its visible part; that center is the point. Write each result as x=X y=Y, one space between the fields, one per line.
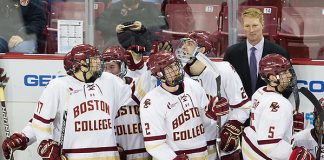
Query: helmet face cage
x=91 y=60
x=185 y=49
x=165 y=66
x=173 y=74
x=280 y=67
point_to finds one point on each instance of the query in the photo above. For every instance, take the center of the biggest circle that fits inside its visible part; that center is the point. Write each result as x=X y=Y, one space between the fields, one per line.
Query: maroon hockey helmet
x=82 y=52
x=203 y=39
x=159 y=61
x=68 y=63
x=119 y=55
x=115 y=53
x=273 y=64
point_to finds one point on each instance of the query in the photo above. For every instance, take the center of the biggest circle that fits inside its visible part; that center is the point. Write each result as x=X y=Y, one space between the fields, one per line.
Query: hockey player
x=171 y=113
x=128 y=128
x=231 y=88
x=270 y=131
x=91 y=99
x=21 y=140
x=308 y=138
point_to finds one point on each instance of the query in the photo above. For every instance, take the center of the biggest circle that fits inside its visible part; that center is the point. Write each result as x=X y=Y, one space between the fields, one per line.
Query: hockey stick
x=205 y=60
x=67 y=100
x=4 y=79
x=295 y=91
x=310 y=96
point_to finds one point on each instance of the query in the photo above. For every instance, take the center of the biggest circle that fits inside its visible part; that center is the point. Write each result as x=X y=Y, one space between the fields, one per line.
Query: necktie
x=253 y=69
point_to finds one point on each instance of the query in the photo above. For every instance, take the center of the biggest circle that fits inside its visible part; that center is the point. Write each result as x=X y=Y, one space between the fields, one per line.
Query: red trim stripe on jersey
x=240 y=104
x=154 y=138
x=211 y=142
x=43 y=119
x=90 y=150
x=190 y=151
x=134 y=151
x=270 y=141
x=255 y=149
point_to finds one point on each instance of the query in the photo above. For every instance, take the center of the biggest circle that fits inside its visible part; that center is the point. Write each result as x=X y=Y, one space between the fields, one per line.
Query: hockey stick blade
x=311 y=98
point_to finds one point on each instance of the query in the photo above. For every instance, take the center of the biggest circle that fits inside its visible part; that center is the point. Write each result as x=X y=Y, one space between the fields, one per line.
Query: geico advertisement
x=28 y=77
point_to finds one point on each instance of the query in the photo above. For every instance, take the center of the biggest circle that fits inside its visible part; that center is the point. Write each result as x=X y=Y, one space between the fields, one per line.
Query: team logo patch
x=274 y=106
x=147 y=103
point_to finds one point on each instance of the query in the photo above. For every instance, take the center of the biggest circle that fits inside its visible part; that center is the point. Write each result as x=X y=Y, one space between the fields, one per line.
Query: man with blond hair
x=245 y=56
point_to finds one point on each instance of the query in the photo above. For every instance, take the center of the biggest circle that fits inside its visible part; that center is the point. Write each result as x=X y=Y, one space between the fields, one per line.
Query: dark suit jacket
x=237 y=56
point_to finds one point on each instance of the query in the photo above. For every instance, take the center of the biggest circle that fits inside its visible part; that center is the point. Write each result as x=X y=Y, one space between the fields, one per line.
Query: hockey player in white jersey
x=308 y=138
x=231 y=88
x=128 y=129
x=91 y=99
x=270 y=131
x=171 y=113
x=21 y=140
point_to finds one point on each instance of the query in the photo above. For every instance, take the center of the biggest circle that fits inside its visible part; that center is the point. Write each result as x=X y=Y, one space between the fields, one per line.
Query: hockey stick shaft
x=206 y=61
x=5 y=117
x=66 y=106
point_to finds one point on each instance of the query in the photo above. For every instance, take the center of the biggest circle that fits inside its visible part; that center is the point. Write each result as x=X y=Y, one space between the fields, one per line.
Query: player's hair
x=254 y=13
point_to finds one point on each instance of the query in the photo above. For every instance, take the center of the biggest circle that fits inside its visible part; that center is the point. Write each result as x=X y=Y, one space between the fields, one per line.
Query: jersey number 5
x=271 y=132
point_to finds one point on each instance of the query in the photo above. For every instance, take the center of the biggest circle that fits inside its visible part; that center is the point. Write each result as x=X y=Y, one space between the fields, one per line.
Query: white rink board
x=28 y=78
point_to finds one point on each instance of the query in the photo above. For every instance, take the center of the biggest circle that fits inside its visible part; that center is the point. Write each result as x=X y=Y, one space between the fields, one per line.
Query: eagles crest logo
x=147 y=103
x=274 y=106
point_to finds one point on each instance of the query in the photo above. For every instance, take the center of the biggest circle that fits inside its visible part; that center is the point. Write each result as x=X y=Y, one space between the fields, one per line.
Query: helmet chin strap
x=193 y=56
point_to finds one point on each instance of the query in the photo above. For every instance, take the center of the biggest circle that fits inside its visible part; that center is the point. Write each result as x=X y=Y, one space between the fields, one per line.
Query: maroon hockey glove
x=181 y=157
x=300 y=153
x=230 y=135
x=131 y=62
x=17 y=141
x=50 y=150
x=298 y=121
x=217 y=108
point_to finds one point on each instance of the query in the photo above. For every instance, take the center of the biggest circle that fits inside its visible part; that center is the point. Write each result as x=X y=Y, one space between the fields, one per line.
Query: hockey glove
x=50 y=150
x=136 y=61
x=230 y=135
x=322 y=101
x=298 y=121
x=17 y=141
x=300 y=153
x=181 y=157
x=217 y=107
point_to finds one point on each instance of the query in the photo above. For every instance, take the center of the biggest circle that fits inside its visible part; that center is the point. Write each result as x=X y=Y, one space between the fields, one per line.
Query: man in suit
x=245 y=56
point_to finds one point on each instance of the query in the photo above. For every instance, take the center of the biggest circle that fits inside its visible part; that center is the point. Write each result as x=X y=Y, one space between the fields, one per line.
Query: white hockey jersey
x=172 y=124
x=232 y=89
x=270 y=131
x=92 y=107
x=129 y=133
